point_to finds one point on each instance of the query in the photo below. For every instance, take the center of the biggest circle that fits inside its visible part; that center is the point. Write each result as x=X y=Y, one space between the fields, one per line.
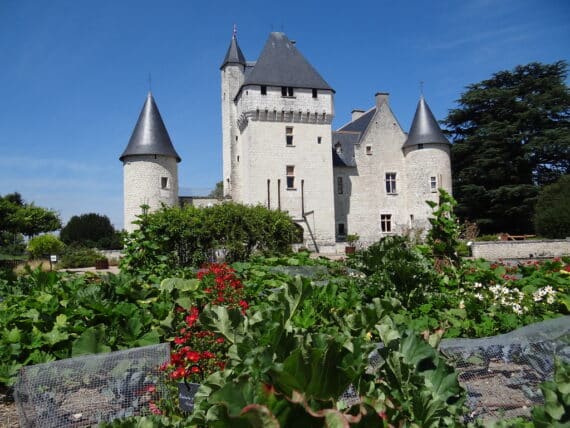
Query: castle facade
x=279 y=150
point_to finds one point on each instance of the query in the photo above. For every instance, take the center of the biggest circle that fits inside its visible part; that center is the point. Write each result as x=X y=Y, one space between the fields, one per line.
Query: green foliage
x=175 y=237
x=556 y=409
x=44 y=245
x=16 y=216
x=91 y=230
x=443 y=236
x=552 y=211
x=218 y=191
x=77 y=257
x=511 y=133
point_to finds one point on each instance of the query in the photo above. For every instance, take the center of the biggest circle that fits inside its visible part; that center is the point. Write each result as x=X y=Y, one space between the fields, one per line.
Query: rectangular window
x=339 y=186
x=164 y=182
x=386 y=222
x=315 y=93
x=420 y=146
x=289 y=135
x=391 y=183
x=290 y=176
x=433 y=183
x=263 y=90
x=286 y=91
x=341 y=229
x=368 y=150
x=319 y=140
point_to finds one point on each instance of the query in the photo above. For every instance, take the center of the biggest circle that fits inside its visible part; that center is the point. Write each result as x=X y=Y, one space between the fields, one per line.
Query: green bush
x=44 y=245
x=92 y=230
x=78 y=257
x=552 y=211
x=176 y=237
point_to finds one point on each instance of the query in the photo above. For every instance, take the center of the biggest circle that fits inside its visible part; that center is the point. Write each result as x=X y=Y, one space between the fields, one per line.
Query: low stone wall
x=521 y=249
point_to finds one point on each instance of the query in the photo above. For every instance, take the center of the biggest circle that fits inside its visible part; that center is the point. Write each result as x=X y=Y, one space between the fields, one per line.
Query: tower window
x=289 y=135
x=368 y=150
x=315 y=93
x=341 y=229
x=290 y=171
x=339 y=186
x=263 y=90
x=386 y=222
x=391 y=183
x=420 y=146
x=286 y=91
x=433 y=183
x=164 y=182
x=319 y=140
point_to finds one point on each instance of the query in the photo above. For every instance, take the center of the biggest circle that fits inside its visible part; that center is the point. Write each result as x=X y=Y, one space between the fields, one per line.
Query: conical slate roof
x=234 y=54
x=425 y=128
x=281 y=64
x=150 y=136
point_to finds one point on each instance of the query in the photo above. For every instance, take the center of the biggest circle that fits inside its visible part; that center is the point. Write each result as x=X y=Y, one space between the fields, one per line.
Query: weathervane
x=422 y=88
x=235 y=31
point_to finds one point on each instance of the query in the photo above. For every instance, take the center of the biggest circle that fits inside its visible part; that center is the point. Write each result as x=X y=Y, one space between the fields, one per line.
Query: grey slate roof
x=425 y=128
x=347 y=140
x=281 y=64
x=234 y=54
x=360 y=124
x=150 y=136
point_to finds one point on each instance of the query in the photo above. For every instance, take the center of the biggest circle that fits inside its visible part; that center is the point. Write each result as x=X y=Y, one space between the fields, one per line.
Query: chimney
x=381 y=98
x=356 y=113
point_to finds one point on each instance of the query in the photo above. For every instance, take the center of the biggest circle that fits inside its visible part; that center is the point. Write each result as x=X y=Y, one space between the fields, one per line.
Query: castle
x=368 y=178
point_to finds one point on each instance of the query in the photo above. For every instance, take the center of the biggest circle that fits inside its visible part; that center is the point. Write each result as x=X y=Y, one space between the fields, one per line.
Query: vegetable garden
x=279 y=340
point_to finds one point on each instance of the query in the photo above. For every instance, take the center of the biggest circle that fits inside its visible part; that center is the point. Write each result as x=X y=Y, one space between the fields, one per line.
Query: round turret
x=428 y=164
x=150 y=166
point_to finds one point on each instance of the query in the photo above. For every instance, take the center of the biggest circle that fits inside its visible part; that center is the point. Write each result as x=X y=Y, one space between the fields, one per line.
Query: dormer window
x=315 y=93
x=164 y=183
x=338 y=148
x=286 y=91
x=263 y=90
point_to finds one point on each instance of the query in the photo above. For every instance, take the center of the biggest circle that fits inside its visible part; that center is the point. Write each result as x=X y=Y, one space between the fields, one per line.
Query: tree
x=511 y=136
x=91 y=230
x=17 y=217
x=44 y=245
x=552 y=212
x=218 y=191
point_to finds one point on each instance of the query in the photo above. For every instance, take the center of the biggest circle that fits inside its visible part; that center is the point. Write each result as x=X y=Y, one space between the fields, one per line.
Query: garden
x=271 y=338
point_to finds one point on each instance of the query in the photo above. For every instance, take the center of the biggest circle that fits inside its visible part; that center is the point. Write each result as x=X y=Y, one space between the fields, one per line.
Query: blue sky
x=74 y=75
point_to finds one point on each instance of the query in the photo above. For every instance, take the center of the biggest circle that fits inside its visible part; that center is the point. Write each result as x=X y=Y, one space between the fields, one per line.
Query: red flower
x=195 y=369
x=150 y=388
x=154 y=408
x=220 y=340
x=193 y=356
x=179 y=340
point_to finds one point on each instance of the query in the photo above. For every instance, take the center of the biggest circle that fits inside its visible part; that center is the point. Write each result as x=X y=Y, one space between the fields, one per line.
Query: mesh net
x=502 y=374
x=84 y=391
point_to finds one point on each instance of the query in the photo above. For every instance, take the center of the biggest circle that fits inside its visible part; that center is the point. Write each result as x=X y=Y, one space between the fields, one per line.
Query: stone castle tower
x=368 y=178
x=150 y=166
x=276 y=122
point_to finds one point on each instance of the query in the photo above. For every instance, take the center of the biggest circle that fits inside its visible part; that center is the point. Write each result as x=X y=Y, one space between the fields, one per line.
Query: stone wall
x=520 y=249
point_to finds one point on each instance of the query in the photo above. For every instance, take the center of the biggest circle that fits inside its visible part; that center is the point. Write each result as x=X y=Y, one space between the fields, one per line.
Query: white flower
x=477 y=285
x=478 y=296
x=550 y=299
x=517 y=309
x=461 y=304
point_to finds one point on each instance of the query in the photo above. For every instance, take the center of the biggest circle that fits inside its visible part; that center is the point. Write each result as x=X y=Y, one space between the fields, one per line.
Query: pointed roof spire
x=234 y=55
x=281 y=64
x=425 y=128
x=150 y=136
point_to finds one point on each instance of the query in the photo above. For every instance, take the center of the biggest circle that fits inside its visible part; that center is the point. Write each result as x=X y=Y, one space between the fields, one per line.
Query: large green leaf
x=91 y=341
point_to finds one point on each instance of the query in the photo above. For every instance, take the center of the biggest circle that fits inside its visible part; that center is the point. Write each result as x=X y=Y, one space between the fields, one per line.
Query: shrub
x=91 y=230
x=552 y=211
x=176 y=237
x=78 y=257
x=44 y=245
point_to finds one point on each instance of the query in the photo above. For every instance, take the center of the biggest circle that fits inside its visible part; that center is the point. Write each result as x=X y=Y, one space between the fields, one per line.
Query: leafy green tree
x=16 y=216
x=552 y=211
x=91 y=230
x=218 y=191
x=511 y=135
x=43 y=245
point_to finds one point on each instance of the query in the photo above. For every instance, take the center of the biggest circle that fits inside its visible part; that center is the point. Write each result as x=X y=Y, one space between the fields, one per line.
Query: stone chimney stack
x=356 y=113
x=381 y=98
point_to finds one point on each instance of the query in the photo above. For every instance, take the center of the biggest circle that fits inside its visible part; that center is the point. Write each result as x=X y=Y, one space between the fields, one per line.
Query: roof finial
x=149 y=82
x=422 y=88
x=234 y=36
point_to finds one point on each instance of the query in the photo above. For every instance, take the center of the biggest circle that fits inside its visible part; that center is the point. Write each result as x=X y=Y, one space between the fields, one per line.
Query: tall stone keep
x=276 y=117
x=150 y=166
